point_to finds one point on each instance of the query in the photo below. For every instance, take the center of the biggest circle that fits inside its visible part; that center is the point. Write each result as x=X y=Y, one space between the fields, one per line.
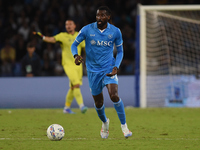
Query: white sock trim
x=118 y=101
x=81 y=105
x=66 y=107
x=99 y=108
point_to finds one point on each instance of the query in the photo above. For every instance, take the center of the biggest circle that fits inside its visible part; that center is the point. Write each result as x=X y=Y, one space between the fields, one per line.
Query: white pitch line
x=40 y=139
x=159 y=139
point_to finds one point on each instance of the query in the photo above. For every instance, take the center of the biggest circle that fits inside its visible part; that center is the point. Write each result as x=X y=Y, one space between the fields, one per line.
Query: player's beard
x=100 y=25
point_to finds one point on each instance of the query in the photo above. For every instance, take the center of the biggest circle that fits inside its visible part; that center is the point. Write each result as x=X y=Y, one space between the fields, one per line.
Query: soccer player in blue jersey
x=102 y=67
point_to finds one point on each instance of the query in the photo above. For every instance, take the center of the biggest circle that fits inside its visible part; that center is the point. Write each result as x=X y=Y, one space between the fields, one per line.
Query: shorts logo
x=114 y=77
x=93 y=42
x=110 y=36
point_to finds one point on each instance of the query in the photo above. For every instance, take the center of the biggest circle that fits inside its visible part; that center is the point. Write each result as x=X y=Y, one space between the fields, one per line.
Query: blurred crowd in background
x=19 y=18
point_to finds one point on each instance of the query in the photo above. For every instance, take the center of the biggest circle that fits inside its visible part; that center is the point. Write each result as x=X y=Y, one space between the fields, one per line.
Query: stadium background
x=18 y=18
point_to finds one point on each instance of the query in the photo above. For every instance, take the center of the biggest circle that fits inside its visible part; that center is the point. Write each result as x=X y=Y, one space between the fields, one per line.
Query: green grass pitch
x=153 y=128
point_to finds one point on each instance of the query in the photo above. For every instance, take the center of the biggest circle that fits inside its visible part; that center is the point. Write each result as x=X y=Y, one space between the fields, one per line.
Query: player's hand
x=114 y=72
x=78 y=59
x=38 y=34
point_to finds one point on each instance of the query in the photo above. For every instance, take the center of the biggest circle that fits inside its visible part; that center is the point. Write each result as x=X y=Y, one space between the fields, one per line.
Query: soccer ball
x=55 y=132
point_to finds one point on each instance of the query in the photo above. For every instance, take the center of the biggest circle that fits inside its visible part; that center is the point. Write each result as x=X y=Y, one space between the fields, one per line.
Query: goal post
x=167 y=54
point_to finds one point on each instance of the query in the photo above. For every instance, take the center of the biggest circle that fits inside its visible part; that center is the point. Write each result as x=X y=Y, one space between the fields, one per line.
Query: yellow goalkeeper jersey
x=66 y=41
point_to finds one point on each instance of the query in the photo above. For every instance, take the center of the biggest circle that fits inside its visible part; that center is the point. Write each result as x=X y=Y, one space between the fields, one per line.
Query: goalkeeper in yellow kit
x=73 y=71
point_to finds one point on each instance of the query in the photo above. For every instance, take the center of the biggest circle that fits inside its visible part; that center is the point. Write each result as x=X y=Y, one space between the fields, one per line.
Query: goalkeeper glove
x=40 y=35
x=78 y=59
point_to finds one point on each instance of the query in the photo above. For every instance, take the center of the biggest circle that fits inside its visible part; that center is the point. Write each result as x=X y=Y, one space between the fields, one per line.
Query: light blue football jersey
x=99 y=46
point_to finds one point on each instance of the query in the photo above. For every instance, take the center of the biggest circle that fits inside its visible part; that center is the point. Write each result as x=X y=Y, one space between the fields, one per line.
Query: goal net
x=168 y=56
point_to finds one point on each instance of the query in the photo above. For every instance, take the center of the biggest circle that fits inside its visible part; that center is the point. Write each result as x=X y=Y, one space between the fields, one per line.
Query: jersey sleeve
x=82 y=45
x=81 y=35
x=58 y=37
x=119 y=56
x=118 y=41
x=119 y=47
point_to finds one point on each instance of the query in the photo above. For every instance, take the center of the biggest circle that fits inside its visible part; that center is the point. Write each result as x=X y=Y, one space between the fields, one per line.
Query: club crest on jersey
x=110 y=36
x=93 y=42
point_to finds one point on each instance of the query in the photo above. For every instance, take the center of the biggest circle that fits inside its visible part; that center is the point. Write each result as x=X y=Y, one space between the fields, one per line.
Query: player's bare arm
x=48 y=39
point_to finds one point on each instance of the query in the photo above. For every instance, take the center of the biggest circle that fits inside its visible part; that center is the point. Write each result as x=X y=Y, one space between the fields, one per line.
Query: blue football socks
x=119 y=107
x=101 y=113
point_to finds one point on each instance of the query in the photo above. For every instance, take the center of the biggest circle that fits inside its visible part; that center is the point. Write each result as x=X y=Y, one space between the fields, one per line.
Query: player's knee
x=114 y=98
x=98 y=104
x=75 y=86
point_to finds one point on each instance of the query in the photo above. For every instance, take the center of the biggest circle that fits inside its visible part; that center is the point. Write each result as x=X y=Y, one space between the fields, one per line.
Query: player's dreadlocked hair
x=108 y=12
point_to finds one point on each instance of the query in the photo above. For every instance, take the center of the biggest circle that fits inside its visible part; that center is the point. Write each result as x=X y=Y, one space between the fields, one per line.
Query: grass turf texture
x=153 y=128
